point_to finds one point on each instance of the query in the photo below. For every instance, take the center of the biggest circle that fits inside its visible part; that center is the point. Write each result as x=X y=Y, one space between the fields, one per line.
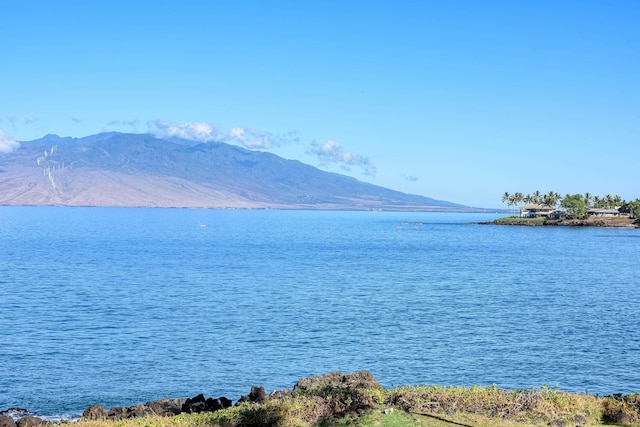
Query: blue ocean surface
x=123 y=306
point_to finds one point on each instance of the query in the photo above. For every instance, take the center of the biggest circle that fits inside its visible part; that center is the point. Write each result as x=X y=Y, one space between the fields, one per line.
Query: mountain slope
x=113 y=169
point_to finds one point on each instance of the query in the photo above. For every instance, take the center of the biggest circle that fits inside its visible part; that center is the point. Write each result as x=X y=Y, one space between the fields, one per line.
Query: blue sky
x=456 y=100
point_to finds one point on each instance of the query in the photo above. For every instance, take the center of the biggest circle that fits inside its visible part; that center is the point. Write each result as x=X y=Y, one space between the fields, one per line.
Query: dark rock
x=256 y=395
x=30 y=421
x=117 y=413
x=95 y=412
x=166 y=407
x=7 y=421
x=201 y=404
x=194 y=404
x=212 y=404
x=138 y=411
x=226 y=403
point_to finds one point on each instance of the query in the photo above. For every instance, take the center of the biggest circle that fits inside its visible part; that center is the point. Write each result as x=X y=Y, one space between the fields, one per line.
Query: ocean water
x=123 y=306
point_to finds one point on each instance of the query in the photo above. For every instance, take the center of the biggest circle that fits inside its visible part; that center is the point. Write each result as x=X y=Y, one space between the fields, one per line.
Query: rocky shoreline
x=169 y=407
x=326 y=399
x=615 y=222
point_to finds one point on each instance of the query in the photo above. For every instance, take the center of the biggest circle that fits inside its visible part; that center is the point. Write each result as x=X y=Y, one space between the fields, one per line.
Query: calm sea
x=122 y=306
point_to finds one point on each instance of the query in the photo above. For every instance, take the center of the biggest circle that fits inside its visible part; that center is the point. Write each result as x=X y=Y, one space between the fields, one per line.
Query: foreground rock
x=349 y=393
x=7 y=421
x=164 y=408
x=26 y=421
x=19 y=417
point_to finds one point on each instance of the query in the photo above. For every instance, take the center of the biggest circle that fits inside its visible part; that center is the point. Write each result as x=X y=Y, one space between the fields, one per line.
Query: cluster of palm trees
x=551 y=200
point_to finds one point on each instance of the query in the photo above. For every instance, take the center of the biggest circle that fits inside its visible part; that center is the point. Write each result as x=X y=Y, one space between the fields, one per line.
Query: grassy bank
x=341 y=402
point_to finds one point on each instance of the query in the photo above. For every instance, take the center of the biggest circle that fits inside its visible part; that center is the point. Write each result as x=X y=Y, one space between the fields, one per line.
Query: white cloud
x=198 y=131
x=75 y=119
x=205 y=132
x=251 y=138
x=7 y=145
x=332 y=152
x=328 y=153
x=31 y=119
x=248 y=138
x=410 y=178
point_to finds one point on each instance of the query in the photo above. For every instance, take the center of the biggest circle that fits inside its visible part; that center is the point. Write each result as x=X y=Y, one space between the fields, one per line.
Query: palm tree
x=512 y=202
x=597 y=202
x=537 y=197
x=517 y=198
x=587 y=198
x=551 y=199
x=506 y=198
x=608 y=201
x=632 y=208
x=617 y=201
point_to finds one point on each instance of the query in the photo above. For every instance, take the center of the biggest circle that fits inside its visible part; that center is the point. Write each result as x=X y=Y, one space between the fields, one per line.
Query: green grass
x=423 y=406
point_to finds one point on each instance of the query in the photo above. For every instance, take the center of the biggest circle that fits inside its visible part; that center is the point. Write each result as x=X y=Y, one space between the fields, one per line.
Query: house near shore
x=544 y=211
x=537 y=211
x=604 y=212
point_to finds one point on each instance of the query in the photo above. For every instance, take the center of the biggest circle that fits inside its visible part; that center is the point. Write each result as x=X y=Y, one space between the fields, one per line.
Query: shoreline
x=330 y=399
x=603 y=222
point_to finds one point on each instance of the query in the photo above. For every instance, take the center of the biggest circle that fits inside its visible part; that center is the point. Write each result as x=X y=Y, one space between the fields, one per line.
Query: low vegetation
x=344 y=402
x=595 y=221
x=574 y=206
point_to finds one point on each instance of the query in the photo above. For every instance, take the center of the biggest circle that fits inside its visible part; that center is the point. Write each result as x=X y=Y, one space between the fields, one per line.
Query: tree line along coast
x=553 y=206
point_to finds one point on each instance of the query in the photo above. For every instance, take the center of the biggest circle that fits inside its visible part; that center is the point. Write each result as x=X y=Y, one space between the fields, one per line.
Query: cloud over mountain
x=251 y=138
x=331 y=152
x=198 y=131
x=206 y=132
x=7 y=145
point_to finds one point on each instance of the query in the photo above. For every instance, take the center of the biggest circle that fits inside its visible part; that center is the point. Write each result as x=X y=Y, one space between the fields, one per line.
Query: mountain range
x=141 y=170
